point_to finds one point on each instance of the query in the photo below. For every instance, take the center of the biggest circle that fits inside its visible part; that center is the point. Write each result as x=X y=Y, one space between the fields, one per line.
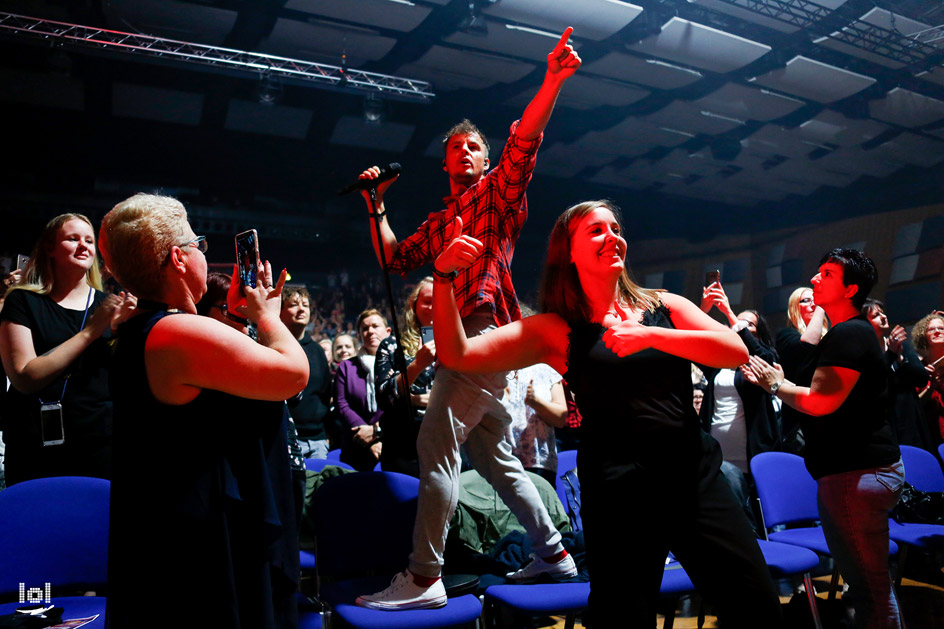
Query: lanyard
x=88 y=302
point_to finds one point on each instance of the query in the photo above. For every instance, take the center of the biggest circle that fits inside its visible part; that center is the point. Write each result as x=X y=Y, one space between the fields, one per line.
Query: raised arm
x=537 y=339
x=552 y=412
x=696 y=337
x=814 y=331
x=388 y=238
x=186 y=353
x=562 y=62
x=30 y=373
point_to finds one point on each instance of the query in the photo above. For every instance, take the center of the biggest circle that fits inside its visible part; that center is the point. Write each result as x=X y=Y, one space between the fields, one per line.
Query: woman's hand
x=128 y=304
x=529 y=397
x=235 y=300
x=363 y=435
x=714 y=296
x=896 y=338
x=461 y=251
x=104 y=315
x=758 y=371
x=627 y=337
x=264 y=300
x=426 y=355
x=420 y=400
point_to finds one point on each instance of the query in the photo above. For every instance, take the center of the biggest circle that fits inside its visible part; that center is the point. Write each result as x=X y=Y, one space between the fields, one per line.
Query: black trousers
x=687 y=509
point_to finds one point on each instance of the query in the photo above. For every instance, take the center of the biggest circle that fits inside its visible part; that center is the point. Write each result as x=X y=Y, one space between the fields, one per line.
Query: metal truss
x=320 y=74
x=869 y=37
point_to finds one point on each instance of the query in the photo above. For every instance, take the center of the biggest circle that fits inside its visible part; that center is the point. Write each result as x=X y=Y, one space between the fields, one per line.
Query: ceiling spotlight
x=472 y=21
x=374 y=111
x=269 y=90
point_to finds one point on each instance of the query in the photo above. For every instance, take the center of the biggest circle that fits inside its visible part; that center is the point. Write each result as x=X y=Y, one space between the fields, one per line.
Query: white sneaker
x=563 y=569
x=402 y=593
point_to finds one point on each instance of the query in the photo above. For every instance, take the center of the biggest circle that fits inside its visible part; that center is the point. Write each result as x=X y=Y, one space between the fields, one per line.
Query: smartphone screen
x=247 y=256
x=426 y=333
x=712 y=276
x=51 y=423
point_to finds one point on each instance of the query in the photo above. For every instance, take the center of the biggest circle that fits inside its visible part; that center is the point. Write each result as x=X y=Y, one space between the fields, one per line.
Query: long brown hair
x=561 y=292
x=38 y=274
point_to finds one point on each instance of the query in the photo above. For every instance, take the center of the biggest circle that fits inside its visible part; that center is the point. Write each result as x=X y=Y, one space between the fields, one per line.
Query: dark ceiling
x=698 y=117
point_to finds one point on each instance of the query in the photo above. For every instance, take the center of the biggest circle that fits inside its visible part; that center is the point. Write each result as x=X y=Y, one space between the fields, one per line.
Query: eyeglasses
x=806 y=300
x=199 y=243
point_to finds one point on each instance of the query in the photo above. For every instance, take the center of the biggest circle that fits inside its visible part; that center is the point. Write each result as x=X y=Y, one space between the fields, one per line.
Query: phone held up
x=247 y=257
x=426 y=333
x=712 y=276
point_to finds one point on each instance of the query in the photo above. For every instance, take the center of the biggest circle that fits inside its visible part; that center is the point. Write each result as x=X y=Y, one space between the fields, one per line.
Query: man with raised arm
x=466 y=408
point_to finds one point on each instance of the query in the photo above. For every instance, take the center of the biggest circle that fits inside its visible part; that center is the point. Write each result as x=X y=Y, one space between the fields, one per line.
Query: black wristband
x=444 y=277
x=237 y=318
x=377 y=214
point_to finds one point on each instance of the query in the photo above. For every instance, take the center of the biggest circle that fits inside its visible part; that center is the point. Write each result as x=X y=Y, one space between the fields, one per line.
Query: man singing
x=466 y=408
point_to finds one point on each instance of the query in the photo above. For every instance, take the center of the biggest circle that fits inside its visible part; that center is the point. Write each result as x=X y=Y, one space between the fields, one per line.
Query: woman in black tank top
x=626 y=351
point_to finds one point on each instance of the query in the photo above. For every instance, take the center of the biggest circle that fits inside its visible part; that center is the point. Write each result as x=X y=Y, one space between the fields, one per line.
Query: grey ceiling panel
x=278 y=120
x=449 y=68
x=817 y=81
x=746 y=103
x=833 y=128
x=813 y=172
x=690 y=118
x=182 y=21
x=906 y=108
x=649 y=72
x=855 y=161
x=935 y=75
x=389 y=136
x=914 y=149
x=586 y=92
x=326 y=43
x=399 y=16
x=591 y=19
x=773 y=140
x=509 y=40
x=701 y=46
x=683 y=163
x=883 y=19
x=152 y=103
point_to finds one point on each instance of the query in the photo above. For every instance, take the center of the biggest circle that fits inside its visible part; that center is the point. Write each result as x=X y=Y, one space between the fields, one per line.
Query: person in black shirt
x=309 y=408
x=51 y=341
x=850 y=449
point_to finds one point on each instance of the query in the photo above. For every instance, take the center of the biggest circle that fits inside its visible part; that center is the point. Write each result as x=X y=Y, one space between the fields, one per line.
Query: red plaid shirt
x=493 y=211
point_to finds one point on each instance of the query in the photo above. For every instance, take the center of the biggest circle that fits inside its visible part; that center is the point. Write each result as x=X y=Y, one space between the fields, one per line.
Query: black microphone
x=386 y=173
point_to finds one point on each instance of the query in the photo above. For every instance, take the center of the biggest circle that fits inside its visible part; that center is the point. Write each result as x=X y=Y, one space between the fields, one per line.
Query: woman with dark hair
x=906 y=376
x=215 y=303
x=218 y=518
x=52 y=330
x=625 y=352
x=850 y=449
x=740 y=415
x=400 y=423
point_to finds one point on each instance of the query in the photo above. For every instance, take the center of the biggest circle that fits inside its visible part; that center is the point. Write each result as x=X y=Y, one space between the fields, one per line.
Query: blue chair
x=566 y=461
x=787 y=496
x=786 y=560
x=334 y=455
x=55 y=530
x=923 y=472
x=569 y=599
x=940 y=452
x=384 y=504
x=922 y=469
x=316 y=465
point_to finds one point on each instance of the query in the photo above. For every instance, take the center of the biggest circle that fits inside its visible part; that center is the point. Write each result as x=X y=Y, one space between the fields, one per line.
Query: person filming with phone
x=201 y=500
x=53 y=331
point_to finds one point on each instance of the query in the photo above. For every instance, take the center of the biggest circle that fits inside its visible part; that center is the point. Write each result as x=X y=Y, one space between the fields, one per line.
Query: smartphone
x=426 y=333
x=712 y=276
x=247 y=256
x=51 y=424
x=21 y=261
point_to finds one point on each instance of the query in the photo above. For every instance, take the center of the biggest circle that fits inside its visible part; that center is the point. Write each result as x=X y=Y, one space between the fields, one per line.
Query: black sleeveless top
x=637 y=410
x=201 y=503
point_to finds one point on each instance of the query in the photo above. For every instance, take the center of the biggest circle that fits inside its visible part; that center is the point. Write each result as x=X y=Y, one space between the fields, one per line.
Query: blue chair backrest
x=334 y=455
x=922 y=469
x=316 y=465
x=786 y=490
x=54 y=530
x=364 y=523
x=566 y=461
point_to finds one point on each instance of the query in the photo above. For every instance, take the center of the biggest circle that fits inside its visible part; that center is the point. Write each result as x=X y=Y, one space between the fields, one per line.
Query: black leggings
x=697 y=518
